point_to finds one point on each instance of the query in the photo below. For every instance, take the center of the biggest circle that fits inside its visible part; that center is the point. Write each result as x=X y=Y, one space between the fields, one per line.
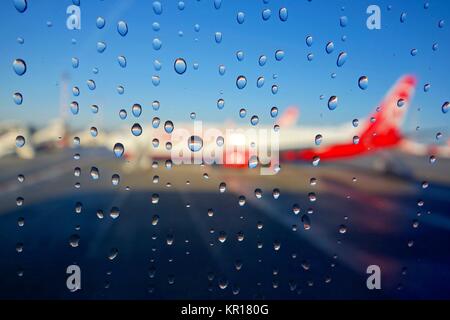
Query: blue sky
x=382 y=55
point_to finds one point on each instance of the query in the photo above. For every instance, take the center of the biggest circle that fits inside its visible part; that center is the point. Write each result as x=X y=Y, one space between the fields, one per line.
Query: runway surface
x=172 y=249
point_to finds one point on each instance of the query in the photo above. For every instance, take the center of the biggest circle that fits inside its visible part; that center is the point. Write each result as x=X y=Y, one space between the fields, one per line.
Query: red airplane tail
x=382 y=130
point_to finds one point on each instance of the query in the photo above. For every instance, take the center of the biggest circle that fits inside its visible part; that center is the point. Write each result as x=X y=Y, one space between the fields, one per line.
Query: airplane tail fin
x=382 y=130
x=289 y=117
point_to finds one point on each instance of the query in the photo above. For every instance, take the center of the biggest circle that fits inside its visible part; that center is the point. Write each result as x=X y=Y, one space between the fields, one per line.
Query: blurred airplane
x=296 y=143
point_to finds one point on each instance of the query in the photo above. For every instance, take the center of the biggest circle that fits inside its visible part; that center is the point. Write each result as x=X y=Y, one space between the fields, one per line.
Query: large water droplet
x=180 y=66
x=19 y=67
x=136 y=129
x=195 y=143
x=220 y=104
x=329 y=48
x=332 y=102
x=20 y=141
x=91 y=84
x=241 y=82
x=18 y=98
x=240 y=17
x=363 y=82
x=74 y=108
x=283 y=14
x=122 y=61
x=279 y=55
x=100 y=22
x=266 y=13
x=342 y=58
x=445 y=107
x=156 y=43
x=136 y=109
x=21 y=5
x=94 y=173
x=101 y=46
x=157 y=7
x=122 y=28
x=260 y=82
x=318 y=139
x=118 y=149
x=218 y=37
x=168 y=126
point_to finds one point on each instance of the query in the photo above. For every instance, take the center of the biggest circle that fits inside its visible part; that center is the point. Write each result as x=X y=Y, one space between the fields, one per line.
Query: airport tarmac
x=174 y=249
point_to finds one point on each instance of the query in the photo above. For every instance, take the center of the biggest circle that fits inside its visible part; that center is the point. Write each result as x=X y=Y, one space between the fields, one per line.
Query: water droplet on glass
x=240 y=55
x=283 y=14
x=122 y=28
x=222 y=69
x=118 y=149
x=220 y=104
x=101 y=46
x=445 y=107
x=21 y=5
x=309 y=41
x=20 y=141
x=254 y=120
x=136 y=109
x=218 y=37
x=91 y=84
x=156 y=43
x=241 y=82
x=180 y=66
x=94 y=173
x=266 y=13
x=279 y=55
x=260 y=82
x=332 y=102
x=19 y=67
x=136 y=129
x=318 y=139
x=157 y=7
x=342 y=58
x=168 y=126
x=240 y=17
x=274 y=112
x=306 y=222
x=195 y=143
x=363 y=82
x=329 y=48
x=18 y=98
